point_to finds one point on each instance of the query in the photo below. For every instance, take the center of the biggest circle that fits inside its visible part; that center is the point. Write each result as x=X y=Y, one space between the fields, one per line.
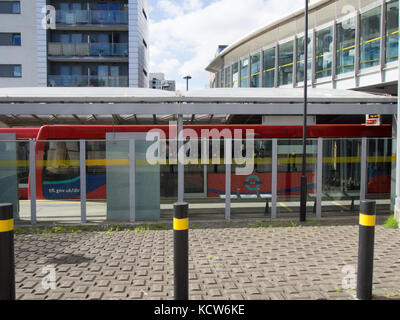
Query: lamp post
x=397 y=135
x=187 y=82
x=303 y=183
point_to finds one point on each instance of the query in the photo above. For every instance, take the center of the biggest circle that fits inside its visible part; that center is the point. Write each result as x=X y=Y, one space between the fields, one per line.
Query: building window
x=228 y=77
x=235 y=75
x=345 y=45
x=10 y=39
x=10 y=71
x=323 y=53
x=255 y=70
x=13 y=7
x=244 y=73
x=392 y=30
x=269 y=68
x=286 y=63
x=370 y=30
x=300 y=58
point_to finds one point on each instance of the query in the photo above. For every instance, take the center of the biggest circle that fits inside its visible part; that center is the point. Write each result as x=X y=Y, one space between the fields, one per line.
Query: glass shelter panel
x=370 y=30
x=379 y=170
x=269 y=58
x=286 y=63
x=58 y=180
x=341 y=176
x=290 y=159
x=345 y=45
x=12 y=171
x=324 y=52
x=251 y=179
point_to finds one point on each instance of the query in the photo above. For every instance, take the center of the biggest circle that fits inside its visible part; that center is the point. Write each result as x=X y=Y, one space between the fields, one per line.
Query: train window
x=60 y=157
x=23 y=156
x=96 y=150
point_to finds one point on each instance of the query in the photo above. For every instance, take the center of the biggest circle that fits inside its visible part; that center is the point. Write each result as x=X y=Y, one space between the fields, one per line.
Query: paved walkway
x=227 y=261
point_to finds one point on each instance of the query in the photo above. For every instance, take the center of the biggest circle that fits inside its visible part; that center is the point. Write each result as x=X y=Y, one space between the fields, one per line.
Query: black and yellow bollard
x=181 y=251
x=366 y=249
x=7 y=266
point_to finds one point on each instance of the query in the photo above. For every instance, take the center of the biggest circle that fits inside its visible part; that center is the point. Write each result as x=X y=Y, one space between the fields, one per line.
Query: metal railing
x=87 y=81
x=72 y=17
x=88 y=49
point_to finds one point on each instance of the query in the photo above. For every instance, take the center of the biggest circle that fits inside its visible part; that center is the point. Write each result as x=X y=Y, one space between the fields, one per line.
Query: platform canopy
x=41 y=106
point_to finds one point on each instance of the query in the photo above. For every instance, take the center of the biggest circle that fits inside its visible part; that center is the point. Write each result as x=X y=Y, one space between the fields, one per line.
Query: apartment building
x=157 y=81
x=74 y=43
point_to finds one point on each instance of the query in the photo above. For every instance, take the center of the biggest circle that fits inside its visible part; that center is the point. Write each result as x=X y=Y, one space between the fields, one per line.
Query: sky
x=185 y=34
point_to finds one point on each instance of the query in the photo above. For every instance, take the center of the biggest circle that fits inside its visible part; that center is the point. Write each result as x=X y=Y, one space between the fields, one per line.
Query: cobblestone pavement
x=307 y=262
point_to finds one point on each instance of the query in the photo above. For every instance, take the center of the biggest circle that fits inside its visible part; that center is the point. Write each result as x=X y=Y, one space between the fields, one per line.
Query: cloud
x=187 y=38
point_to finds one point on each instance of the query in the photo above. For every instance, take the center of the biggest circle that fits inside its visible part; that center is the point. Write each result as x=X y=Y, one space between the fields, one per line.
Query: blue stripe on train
x=71 y=188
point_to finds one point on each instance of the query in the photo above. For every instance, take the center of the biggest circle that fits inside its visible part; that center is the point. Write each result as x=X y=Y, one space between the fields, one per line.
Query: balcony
x=88 y=49
x=91 y=17
x=87 y=81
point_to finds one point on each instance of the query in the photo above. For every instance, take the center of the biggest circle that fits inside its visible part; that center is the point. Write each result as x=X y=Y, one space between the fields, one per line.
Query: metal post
x=397 y=135
x=7 y=260
x=82 y=158
x=228 y=166
x=303 y=182
x=32 y=180
x=320 y=148
x=364 y=172
x=181 y=160
x=366 y=250
x=132 y=181
x=274 y=182
x=181 y=251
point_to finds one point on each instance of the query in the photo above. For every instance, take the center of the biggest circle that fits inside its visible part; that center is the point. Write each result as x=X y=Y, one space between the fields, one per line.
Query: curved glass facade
x=350 y=42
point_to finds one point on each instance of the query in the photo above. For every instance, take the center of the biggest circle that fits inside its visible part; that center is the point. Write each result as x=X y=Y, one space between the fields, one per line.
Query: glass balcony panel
x=345 y=46
x=370 y=38
x=269 y=57
x=235 y=75
x=392 y=30
x=228 y=77
x=255 y=70
x=324 y=51
x=244 y=73
x=72 y=17
x=286 y=63
x=300 y=59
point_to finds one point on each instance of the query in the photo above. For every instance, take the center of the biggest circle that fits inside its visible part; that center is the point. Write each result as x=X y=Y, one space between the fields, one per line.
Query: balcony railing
x=87 y=81
x=88 y=49
x=100 y=17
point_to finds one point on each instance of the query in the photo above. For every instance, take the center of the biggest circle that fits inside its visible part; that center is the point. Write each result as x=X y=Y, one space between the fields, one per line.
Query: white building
x=74 y=43
x=157 y=81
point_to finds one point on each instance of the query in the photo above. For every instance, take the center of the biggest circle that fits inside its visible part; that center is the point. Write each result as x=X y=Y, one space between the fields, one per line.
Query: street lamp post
x=187 y=82
x=303 y=185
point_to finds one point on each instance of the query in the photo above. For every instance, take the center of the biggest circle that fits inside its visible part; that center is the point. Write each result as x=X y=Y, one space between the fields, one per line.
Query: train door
x=133 y=185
